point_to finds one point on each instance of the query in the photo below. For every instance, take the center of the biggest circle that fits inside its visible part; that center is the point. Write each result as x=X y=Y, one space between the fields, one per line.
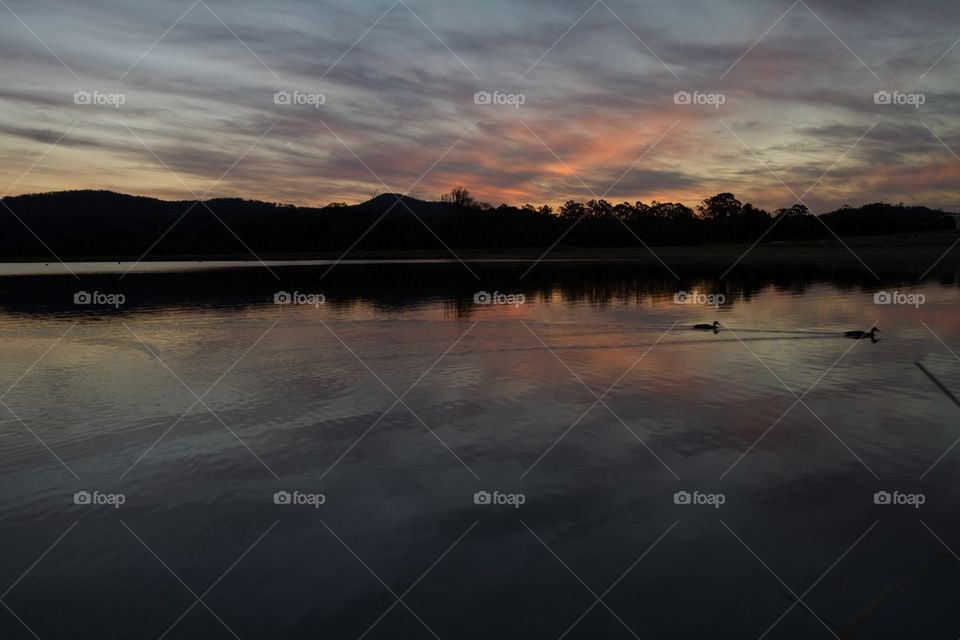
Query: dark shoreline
x=701 y=255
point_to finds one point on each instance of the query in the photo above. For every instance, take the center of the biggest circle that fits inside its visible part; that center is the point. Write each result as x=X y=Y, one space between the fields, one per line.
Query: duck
x=860 y=335
x=715 y=327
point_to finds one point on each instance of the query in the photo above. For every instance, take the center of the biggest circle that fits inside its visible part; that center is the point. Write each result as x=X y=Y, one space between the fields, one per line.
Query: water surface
x=399 y=399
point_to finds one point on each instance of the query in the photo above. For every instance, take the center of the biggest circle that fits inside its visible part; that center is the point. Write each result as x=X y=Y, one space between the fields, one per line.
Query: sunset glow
x=598 y=112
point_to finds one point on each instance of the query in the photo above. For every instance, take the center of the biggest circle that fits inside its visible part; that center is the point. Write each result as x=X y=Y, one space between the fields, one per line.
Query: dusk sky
x=597 y=82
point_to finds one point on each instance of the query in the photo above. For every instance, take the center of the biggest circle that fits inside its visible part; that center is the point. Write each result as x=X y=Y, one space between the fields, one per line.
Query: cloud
x=399 y=92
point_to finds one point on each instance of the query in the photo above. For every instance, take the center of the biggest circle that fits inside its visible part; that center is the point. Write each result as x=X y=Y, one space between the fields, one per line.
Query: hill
x=105 y=224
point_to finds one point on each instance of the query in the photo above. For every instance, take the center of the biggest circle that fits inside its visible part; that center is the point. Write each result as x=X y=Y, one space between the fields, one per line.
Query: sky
x=539 y=101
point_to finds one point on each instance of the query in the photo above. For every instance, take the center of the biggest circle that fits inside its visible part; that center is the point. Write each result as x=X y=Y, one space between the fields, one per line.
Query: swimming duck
x=860 y=335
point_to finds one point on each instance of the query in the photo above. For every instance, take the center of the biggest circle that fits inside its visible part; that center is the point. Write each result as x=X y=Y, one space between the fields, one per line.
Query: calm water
x=493 y=398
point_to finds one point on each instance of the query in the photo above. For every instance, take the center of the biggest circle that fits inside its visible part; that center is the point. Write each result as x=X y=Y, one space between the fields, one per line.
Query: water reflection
x=595 y=399
x=396 y=287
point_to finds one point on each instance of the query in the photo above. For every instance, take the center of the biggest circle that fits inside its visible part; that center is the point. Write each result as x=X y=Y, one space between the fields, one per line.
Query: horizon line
x=553 y=207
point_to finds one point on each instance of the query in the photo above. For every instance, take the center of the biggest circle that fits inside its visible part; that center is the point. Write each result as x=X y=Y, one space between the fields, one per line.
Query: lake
x=409 y=451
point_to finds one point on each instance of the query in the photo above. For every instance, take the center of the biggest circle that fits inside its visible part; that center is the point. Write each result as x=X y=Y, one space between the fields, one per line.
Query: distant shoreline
x=794 y=253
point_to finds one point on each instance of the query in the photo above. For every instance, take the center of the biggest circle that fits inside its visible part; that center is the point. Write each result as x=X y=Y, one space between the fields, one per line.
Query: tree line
x=91 y=224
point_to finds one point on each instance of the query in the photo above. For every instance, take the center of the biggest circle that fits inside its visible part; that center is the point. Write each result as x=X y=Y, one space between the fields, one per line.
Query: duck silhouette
x=715 y=327
x=862 y=335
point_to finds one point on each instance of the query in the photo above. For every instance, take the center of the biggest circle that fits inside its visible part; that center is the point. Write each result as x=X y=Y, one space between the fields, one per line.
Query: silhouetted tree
x=599 y=210
x=572 y=210
x=798 y=210
x=722 y=206
x=459 y=197
x=675 y=212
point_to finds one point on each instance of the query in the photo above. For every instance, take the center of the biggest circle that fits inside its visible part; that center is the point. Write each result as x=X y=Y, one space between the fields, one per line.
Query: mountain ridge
x=91 y=223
